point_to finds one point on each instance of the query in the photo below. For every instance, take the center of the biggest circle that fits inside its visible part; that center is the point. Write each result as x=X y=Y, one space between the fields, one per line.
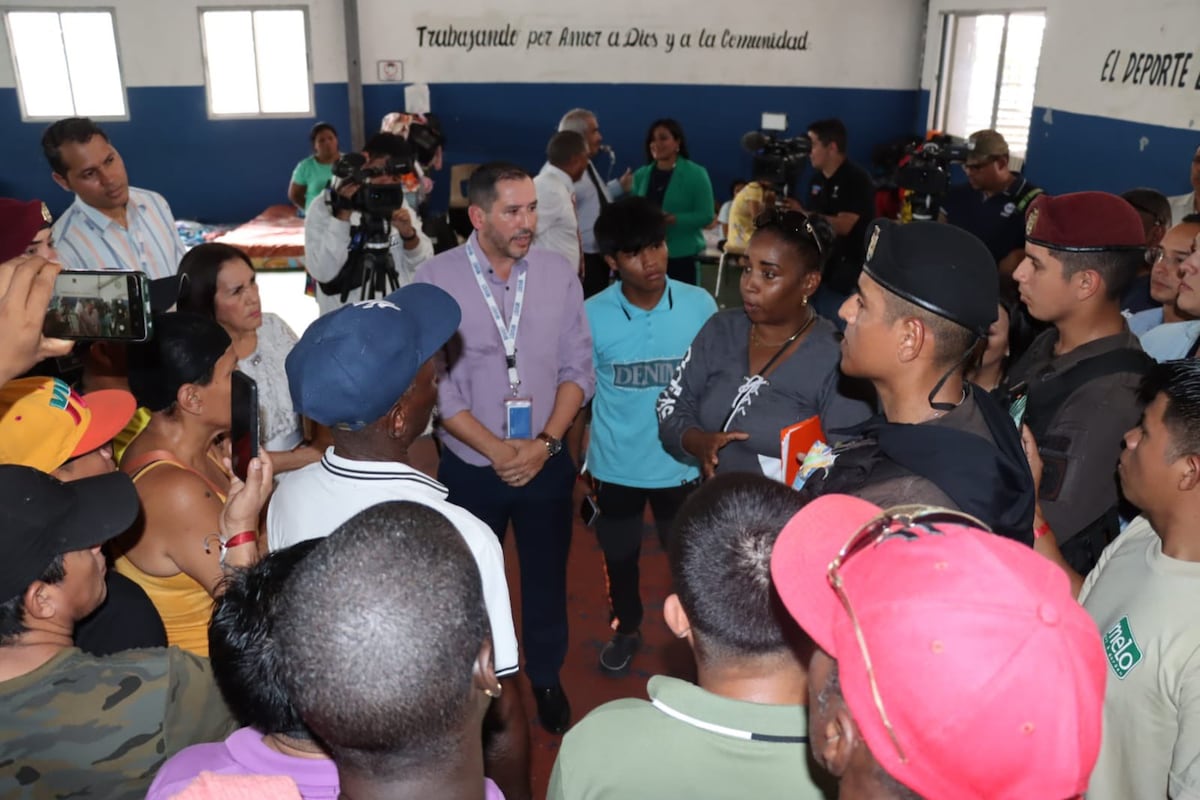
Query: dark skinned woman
x=755 y=370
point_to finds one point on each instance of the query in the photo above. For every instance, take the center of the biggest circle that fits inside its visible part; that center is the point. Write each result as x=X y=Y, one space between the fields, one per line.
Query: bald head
x=380 y=628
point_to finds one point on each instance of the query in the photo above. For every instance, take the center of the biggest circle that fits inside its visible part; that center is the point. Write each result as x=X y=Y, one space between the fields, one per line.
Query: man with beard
x=517 y=373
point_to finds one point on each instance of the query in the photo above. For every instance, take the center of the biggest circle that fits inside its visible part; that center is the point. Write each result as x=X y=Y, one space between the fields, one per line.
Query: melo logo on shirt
x=1121 y=648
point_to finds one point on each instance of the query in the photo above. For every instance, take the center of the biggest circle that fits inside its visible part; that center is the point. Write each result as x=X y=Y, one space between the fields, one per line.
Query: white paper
x=416 y=98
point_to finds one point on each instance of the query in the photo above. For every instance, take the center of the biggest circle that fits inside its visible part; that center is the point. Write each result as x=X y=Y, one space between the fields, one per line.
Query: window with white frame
x=66 y=64
x=256 y=61
x=988 y=72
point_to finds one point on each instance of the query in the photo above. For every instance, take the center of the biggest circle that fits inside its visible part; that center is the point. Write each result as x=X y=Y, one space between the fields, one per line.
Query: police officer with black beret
x=925 y=299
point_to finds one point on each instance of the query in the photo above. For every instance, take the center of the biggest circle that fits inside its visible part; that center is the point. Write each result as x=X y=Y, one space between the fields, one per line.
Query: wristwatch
x=553 y=446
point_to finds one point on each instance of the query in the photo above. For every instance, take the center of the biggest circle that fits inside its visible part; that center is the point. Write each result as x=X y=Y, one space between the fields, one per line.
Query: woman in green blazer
x=681 y=188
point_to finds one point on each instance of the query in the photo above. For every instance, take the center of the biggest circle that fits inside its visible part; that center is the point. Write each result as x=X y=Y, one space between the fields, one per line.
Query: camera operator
x=844 y=194
x=993 y=202
x=329 y=233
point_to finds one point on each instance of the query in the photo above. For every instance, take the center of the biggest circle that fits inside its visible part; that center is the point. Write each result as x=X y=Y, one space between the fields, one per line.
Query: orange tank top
x=183 y=604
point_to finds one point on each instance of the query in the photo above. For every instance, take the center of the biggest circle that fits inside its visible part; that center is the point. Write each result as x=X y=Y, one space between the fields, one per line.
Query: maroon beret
x=1084 y=222
x=20 y=220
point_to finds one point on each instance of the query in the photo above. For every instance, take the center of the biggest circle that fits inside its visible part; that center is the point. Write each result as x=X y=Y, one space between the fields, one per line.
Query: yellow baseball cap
x=44 y=422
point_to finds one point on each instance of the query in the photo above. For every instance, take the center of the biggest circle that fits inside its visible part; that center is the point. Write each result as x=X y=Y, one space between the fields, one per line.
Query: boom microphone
x=753 y=141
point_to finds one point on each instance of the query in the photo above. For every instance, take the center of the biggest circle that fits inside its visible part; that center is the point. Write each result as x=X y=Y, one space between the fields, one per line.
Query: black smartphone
x=100 y=304
x=244 y=432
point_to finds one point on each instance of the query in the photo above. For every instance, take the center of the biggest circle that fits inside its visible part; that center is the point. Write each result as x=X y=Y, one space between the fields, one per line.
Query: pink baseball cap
x=991 y=673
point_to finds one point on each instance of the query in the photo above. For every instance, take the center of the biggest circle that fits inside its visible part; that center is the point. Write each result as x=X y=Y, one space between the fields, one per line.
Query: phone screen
x=1017 y=409
x=101 y=304
x=244 y=431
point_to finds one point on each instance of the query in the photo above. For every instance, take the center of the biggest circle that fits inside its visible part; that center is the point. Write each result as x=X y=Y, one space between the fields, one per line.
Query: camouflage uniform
x=82 y=726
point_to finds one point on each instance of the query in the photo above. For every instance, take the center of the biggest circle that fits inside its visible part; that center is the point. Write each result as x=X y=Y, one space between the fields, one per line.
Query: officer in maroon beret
x=1076 y=385
x=25 y=229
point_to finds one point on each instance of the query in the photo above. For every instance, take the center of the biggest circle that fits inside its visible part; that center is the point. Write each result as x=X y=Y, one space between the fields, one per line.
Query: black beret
x=938 y=267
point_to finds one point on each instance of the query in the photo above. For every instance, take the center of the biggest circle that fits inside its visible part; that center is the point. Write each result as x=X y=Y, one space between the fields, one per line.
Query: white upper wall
x=1086 y=63
x=159 y=40
x=1086 y=39
x=849 y=44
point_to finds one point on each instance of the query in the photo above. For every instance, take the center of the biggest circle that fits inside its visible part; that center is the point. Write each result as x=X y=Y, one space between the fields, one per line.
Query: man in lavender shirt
x=507 y=399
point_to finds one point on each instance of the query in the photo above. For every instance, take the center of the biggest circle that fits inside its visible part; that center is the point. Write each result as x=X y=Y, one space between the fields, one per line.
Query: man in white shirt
x=558 y=224
x=591 y=195
x=330 y=234
x=1143 y=594
x=1184 y=204
x=111 y=225
x=367 y=371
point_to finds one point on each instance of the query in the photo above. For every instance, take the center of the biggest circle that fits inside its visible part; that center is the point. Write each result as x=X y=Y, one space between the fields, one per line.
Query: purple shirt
x=554 y=343
x=244 y=753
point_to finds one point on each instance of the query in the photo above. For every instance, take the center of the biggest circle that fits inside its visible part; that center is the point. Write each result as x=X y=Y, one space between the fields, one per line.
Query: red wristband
x=245 y=537
x=1041 y=530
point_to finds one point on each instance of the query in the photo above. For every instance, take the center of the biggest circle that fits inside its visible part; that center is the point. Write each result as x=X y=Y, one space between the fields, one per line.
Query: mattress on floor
x=273 y=240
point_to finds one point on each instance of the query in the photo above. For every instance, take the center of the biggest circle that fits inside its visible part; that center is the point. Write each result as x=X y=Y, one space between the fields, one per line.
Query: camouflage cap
x=985 y=145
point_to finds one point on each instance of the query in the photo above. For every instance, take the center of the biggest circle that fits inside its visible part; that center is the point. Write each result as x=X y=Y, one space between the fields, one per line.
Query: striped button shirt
x=86 y=239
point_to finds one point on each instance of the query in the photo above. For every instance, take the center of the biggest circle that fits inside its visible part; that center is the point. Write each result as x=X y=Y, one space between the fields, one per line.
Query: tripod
x=375 y=266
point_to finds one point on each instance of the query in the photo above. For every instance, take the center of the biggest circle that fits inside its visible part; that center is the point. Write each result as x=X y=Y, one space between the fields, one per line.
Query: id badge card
x=519 y=417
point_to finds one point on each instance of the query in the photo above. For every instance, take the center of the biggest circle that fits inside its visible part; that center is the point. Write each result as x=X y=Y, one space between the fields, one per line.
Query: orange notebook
x=794 y=443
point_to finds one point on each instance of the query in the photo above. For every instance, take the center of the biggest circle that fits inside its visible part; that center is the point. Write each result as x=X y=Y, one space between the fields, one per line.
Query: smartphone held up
x=245 y=432
x=100 y=305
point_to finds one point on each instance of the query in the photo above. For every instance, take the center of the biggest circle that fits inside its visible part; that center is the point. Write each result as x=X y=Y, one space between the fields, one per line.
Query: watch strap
x=553 y=446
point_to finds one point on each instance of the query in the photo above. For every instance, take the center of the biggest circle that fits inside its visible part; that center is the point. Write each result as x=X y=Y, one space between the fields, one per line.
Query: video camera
x=426 y=137
x=777 y=159
x=928 y=169
x=379 y=199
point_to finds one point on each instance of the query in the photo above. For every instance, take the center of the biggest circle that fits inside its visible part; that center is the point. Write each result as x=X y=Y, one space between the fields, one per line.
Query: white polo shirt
x=315 y=501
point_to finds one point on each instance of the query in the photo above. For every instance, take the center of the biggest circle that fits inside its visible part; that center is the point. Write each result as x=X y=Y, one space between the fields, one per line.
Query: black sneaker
x=617 y=655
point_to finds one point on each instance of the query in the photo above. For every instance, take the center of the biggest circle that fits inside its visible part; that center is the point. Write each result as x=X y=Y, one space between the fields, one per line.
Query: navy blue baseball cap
x=352 y=364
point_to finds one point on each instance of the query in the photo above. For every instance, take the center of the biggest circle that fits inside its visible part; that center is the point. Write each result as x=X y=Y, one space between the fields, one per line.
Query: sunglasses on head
x=793 y=221
x=900 y=520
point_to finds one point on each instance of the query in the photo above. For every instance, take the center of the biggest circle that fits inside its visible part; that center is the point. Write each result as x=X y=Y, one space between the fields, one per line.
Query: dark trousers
x=541 y=517
x=619 y=531
x=596 y=274
x=682 y=269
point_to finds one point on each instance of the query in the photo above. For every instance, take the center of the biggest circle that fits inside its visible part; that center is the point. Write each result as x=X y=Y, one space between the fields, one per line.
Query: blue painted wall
x=210 y=170
x=1079 y=151
x=514 y=121
x=229 y=170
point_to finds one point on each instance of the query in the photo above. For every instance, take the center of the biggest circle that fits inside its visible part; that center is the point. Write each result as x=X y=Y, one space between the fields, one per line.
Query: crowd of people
x=972 y=583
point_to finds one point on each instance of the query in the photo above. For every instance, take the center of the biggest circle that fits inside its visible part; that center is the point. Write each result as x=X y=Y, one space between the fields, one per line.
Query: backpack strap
x=1027 y=197
x=1046 y=397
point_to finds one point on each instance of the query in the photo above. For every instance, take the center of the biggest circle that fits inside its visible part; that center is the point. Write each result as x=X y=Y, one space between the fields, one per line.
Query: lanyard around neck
x=508 y=335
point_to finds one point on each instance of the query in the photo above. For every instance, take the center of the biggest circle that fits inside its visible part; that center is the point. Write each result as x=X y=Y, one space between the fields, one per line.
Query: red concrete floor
x=586 y=686
x=587 y=604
